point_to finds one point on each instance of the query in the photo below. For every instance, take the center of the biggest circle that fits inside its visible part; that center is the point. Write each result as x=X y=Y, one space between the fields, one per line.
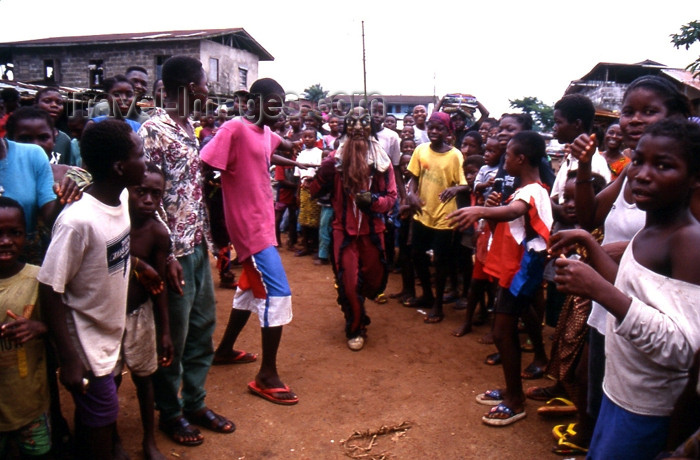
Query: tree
x=314 y=93
x=541 y=113
x=690 y=33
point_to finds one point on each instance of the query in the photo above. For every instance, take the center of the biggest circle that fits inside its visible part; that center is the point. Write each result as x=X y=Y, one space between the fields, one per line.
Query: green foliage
x=690 y=33
x=541 y=113
x=314 y=93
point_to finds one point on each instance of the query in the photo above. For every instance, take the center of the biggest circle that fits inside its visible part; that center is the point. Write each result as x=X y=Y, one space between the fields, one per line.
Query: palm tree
x=314 y=93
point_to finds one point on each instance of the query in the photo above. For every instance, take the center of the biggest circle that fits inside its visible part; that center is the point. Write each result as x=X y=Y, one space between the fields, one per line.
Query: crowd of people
x=108 y=223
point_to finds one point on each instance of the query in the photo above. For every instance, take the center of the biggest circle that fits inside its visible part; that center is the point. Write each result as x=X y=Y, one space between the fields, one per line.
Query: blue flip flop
x=494 y=417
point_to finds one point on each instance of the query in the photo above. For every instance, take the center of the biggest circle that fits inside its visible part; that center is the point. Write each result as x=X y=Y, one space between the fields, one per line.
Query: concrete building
x=606 y=83
x=229 y=56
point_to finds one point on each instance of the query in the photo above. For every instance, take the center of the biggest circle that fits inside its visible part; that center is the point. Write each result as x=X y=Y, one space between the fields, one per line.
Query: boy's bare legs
x=505 y=334
x=476 y=291
x=144 y=391
x=236 y=321
x=436 y=314
x=278 y=221
x=533 y=327
x=267 y=376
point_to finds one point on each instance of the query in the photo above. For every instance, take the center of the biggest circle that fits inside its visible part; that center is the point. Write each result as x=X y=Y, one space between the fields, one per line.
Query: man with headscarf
x=361 y=181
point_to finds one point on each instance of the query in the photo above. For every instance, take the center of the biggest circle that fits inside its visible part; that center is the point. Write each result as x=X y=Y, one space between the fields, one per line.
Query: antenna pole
x=364 y=62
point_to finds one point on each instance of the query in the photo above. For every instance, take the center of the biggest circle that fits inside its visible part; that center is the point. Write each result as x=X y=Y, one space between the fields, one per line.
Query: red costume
x=358 y=245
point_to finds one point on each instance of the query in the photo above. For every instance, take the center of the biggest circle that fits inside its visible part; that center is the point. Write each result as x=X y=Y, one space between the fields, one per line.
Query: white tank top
x=623 y=222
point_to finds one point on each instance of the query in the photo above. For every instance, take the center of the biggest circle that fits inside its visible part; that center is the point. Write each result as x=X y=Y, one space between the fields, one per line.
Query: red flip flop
x=272 y=394
x=240 y=358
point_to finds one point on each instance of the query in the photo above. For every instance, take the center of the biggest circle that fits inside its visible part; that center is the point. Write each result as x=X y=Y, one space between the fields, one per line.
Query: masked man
x=361 y=181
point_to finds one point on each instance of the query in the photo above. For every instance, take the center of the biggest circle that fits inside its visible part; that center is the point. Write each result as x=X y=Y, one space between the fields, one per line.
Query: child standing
x=309 y=210
x=653 y=329
x=84 y=282
x=522 y=230
x=407 y=294
x=25 y=400
x=286 y=202
x=436 y=168
x=464 y=241
x=147 y=328
x=480 y=282
x=487 y=173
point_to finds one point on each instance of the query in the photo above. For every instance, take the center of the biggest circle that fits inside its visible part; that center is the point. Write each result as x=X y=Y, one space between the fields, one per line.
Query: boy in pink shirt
x=243 y=150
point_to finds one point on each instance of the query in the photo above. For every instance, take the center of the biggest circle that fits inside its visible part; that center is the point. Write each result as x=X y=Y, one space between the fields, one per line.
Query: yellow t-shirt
x=24 y=394
x=436 y=172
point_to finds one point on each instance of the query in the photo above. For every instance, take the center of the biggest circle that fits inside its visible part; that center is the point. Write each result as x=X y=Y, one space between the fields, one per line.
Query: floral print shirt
x=167 y=145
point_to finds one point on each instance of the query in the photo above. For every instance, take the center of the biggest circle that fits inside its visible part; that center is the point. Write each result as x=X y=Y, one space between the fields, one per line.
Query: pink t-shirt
x=242 y=151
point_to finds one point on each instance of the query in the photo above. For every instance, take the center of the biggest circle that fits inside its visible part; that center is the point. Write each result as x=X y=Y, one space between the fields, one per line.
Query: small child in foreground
x=24 y=401
x=147 y=328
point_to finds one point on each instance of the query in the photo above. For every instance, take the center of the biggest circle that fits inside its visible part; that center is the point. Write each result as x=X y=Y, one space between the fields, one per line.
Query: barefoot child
x=84 y=281
x=653 y=329
x=24 y=403
x=522 y=230
x=147 y=327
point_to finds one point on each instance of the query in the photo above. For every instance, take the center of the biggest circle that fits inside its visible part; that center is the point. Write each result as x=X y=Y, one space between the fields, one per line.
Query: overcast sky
x=496 y=50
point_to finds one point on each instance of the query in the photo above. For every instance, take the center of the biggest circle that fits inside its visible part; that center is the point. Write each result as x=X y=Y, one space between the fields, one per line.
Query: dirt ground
x=408 y=372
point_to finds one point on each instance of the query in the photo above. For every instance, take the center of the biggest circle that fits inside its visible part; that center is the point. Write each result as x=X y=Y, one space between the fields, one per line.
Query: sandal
x=527 y=347
x=210 y=420
x=562 y=431
x=544 y=393
x=181 y=431
x=565 y=447
x=417 y=302
x=433 y=318
x=493 y=359
x=502 y=415
x=532 y=372
x=490 y=398
x=238 y=357
x=381 y=299
x=557 y=406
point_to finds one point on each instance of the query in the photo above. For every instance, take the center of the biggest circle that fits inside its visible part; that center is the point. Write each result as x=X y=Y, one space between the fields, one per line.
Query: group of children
x=523 y=242
x=479 y=204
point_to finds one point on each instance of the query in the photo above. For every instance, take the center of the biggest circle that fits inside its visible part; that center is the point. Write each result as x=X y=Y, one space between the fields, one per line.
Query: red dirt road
x=408 y=372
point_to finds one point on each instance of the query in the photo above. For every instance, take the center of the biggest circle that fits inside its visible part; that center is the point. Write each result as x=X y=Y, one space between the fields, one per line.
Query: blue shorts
x=620 y=434
x=264 y=290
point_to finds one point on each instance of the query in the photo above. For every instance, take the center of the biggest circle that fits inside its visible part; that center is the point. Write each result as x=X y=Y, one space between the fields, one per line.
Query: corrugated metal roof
x=683 y=76
x=243 y=39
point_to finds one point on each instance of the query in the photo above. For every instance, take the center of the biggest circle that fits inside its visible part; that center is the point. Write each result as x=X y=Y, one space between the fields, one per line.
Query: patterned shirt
x=166 y=144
